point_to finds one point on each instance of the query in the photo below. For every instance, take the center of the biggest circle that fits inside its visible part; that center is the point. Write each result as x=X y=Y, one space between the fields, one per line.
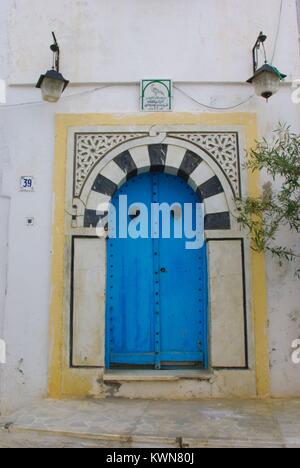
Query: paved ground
x=137 y=423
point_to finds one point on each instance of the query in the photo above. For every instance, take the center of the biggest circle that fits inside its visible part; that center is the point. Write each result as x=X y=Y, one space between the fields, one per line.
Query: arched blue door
x=156 y=287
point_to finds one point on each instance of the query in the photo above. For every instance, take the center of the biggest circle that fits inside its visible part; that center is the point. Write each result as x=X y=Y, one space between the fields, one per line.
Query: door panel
x=130 y=287
x=182 y=285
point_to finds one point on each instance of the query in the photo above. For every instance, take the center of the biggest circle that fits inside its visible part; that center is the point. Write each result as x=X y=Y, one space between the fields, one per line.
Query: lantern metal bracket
x=260 y=43
x=56 y=53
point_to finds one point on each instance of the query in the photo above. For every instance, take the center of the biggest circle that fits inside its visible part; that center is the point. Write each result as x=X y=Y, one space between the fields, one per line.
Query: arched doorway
x=156 y=312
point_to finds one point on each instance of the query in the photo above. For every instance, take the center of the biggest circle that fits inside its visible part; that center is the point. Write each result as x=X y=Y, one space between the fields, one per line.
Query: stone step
x=21 y=438
x=24 y=438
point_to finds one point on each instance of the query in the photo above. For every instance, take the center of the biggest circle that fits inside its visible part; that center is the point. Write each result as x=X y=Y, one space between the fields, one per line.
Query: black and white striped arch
x=161 y=158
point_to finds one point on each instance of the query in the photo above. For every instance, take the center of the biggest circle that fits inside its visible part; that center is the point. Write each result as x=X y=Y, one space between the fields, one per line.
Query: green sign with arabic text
x=156 y=95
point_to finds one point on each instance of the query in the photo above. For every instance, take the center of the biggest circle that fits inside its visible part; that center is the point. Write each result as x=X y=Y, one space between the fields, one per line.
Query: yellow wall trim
x=64 y=381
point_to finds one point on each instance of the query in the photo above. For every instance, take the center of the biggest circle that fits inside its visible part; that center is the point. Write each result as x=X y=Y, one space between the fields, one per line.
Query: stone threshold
x=117 y=375
x=19 y=437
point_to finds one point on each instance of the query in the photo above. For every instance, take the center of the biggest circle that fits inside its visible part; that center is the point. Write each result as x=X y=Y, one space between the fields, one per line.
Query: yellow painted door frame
x=65 y=381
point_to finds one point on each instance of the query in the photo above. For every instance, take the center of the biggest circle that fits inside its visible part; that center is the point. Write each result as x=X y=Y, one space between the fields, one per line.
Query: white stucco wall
x=205 y=47
x=117 y=40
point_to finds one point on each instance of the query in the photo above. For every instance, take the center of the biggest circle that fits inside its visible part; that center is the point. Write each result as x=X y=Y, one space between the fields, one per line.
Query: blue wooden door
x=156 y=287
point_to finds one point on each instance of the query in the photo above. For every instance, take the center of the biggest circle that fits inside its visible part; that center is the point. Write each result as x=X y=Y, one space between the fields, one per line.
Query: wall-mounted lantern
x=266 y=79
x=53 y=84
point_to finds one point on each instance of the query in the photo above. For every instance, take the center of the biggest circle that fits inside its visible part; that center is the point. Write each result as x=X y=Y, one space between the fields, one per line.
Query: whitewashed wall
x=205 y=47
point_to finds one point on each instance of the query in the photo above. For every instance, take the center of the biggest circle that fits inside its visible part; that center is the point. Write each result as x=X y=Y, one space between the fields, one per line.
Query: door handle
x=163 y=270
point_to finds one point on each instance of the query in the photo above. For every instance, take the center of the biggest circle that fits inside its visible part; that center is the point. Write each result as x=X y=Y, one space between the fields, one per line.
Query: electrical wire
x=278 y=31
x=212 y=107
x=37 y=103
x=94 y=90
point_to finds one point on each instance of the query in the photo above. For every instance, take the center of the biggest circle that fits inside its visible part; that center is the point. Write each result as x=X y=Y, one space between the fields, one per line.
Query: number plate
x=27 y=184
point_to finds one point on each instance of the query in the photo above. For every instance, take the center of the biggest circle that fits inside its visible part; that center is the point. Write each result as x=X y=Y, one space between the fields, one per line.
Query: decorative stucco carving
x=90 y=148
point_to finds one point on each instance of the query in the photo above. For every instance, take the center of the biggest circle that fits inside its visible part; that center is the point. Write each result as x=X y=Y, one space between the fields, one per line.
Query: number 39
x=27 y=183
